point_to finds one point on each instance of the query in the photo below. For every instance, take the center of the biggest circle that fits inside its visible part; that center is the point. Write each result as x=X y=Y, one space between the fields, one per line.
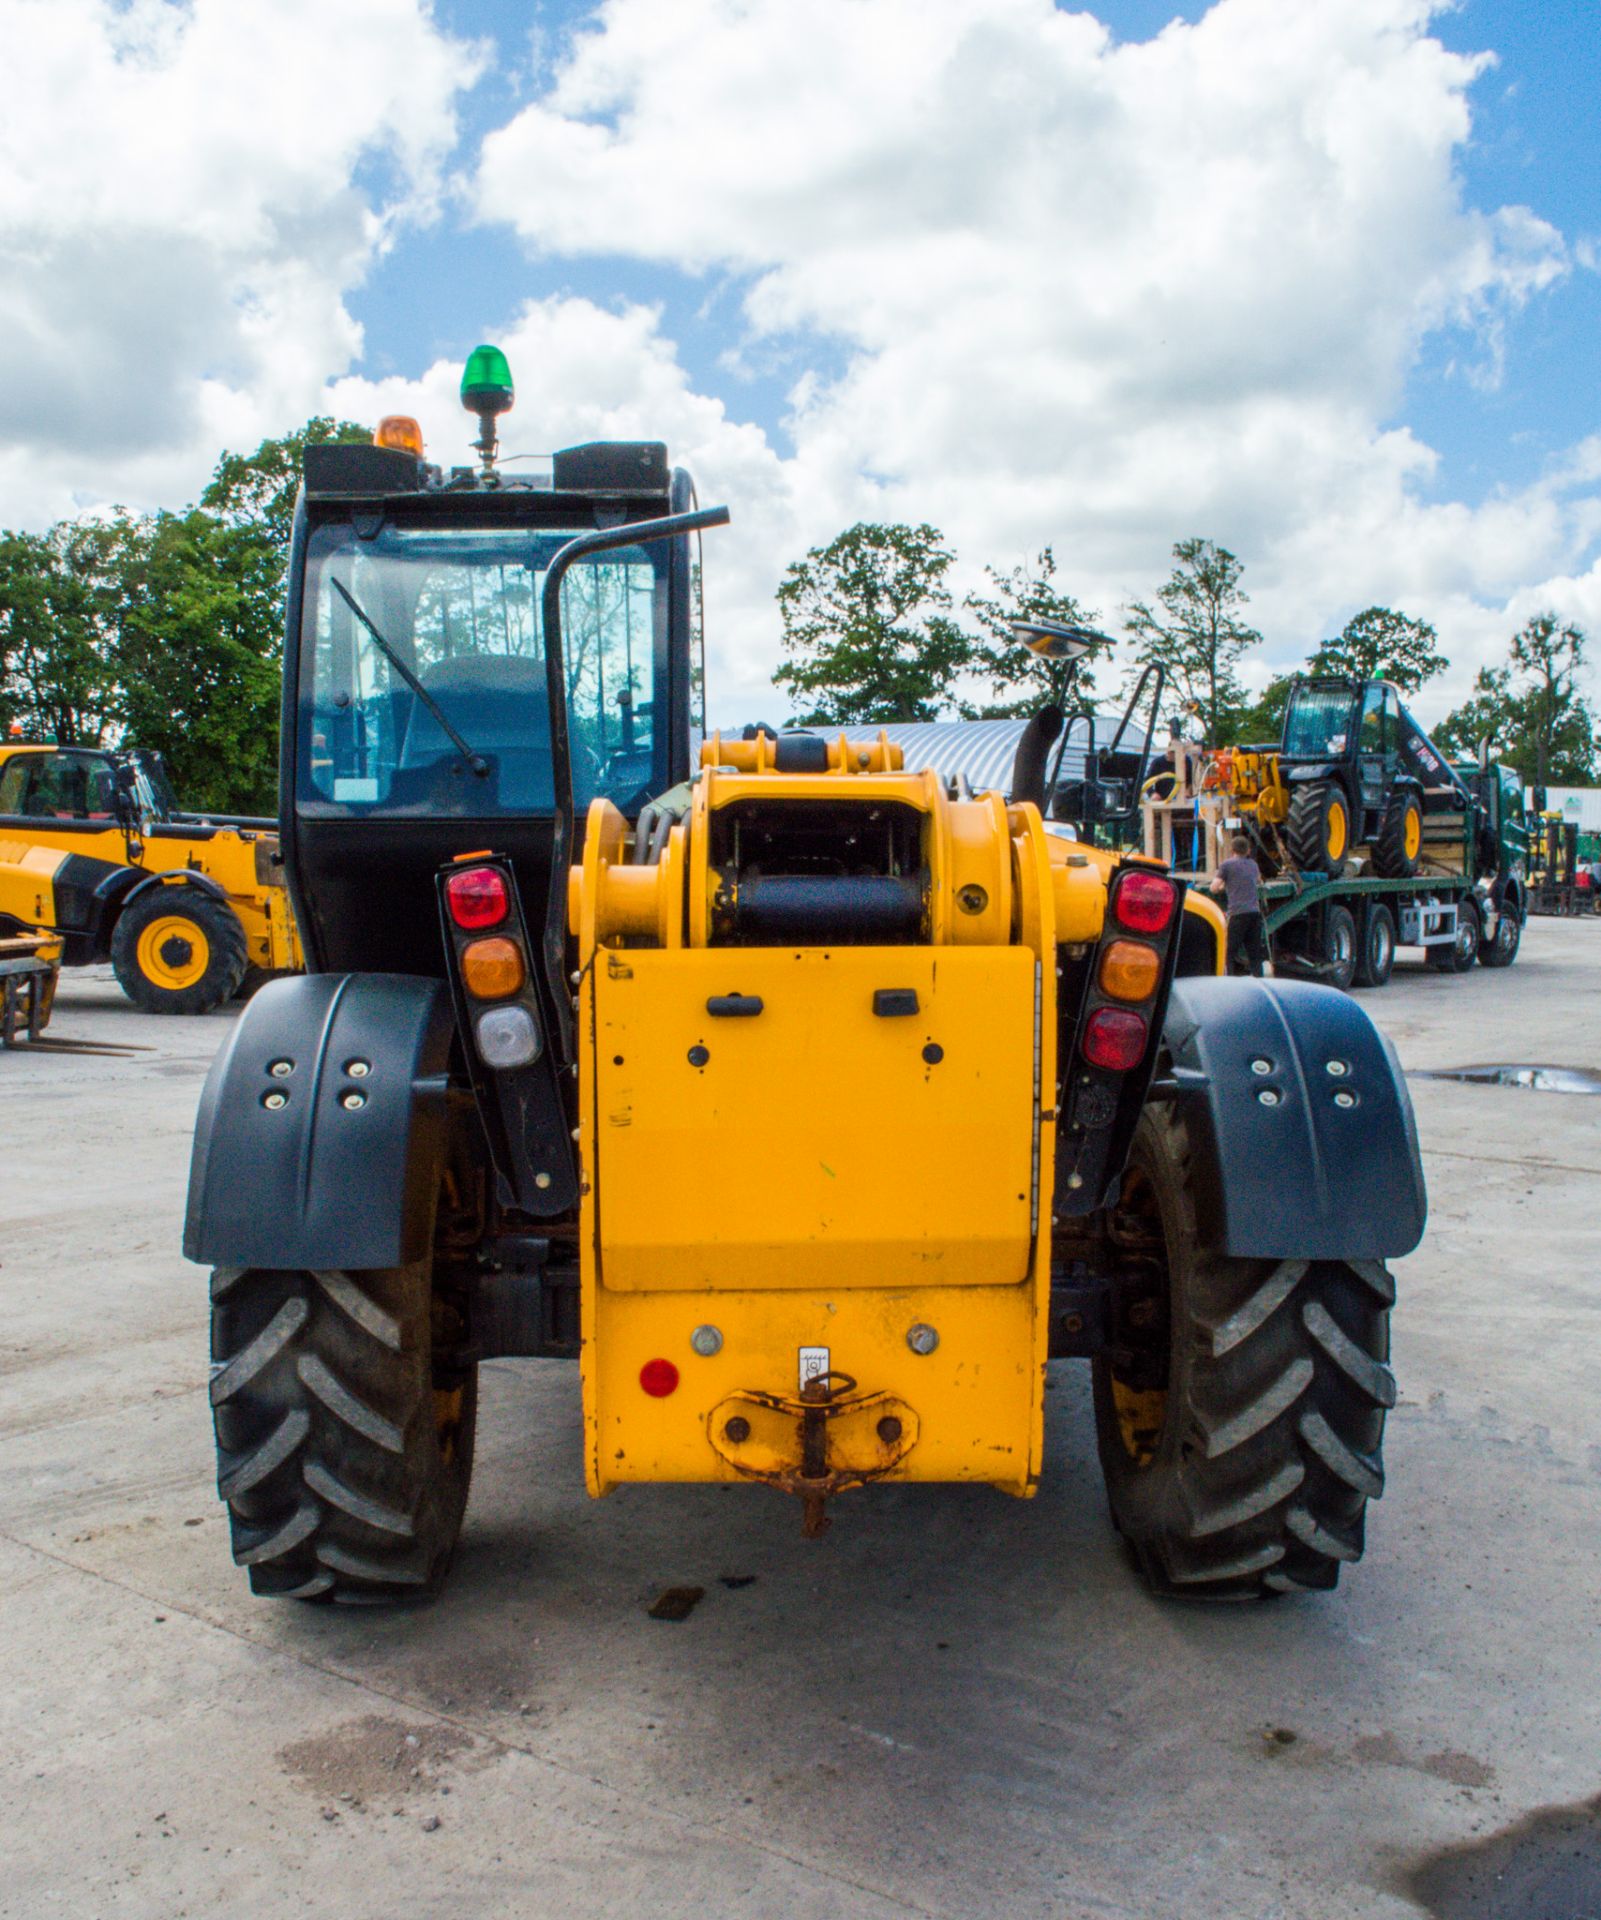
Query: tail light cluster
x=489 y=945
x=1123 y=998
x=1129 y=970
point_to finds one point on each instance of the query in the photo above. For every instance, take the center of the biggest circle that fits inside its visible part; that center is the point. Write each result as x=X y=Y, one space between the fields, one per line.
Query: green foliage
x=201 y=657
x=164 y=630
x=868 y=631
x=1530 y=711
x=1380 y=644
x=1196 y=633
x=1487 y=715
x=1261 y=724
x=1019 y=680
x=58 y=630
x=257 y=490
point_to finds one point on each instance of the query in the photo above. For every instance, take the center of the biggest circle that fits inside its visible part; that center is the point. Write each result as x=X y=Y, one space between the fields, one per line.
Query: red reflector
x=1115 y=1039
x=659 y=1378
x=478 y=898
x=1144 y=902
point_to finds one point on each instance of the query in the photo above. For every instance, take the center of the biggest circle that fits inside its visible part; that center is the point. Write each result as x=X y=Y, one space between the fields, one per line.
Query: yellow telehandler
x=188 y=908
x=810 y=1102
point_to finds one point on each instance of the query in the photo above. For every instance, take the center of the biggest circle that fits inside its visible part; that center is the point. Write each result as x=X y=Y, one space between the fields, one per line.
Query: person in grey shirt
x=1237 y=879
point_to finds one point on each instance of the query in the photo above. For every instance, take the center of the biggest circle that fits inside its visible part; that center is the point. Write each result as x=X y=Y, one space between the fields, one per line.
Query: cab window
x=57 y=788
x=1375 y=732
x=461 y=611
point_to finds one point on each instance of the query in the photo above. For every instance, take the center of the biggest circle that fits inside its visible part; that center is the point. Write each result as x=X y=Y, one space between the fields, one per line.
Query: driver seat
x=498 y=703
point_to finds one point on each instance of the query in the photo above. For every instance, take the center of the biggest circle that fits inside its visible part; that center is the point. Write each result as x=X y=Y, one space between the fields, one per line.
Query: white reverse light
x=507 y=1037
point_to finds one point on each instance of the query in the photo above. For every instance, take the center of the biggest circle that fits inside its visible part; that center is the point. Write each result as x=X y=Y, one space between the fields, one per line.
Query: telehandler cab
x=811 y=1104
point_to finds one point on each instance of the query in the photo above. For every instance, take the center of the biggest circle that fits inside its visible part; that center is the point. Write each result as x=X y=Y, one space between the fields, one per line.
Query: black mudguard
x=315 y=1182
x=175 y=877
x=1306 y=1175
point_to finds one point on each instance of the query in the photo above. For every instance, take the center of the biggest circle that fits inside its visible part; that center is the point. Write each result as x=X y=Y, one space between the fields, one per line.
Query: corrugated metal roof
x=983 y=750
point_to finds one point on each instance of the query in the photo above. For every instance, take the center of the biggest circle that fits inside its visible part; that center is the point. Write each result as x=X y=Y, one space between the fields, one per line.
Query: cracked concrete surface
x=955 y=1705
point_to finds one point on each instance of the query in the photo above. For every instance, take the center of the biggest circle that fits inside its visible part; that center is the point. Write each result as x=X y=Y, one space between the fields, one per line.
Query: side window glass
x=608 y=627
x=1373 y=721
x=57 y=790
x=100 y=795
x=13 y=783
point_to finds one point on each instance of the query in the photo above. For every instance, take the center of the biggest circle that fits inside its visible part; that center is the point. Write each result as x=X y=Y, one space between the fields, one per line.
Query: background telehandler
x=95 y=851
x=811 y=1103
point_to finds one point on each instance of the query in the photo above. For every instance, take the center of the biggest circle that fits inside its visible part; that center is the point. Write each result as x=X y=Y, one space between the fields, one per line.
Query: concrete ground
x=955 y=1704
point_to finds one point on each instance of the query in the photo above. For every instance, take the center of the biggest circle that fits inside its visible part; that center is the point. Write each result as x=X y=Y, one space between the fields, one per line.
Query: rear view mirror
x=1054 y=640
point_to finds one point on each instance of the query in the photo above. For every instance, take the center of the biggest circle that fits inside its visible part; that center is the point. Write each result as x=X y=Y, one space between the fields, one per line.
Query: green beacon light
x=486 y=390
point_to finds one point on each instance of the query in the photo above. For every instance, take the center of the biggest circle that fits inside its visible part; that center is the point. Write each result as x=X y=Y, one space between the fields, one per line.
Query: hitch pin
x=816 y=1395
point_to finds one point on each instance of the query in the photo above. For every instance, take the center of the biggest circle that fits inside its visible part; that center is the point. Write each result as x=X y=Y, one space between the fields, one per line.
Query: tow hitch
x=819 y=1443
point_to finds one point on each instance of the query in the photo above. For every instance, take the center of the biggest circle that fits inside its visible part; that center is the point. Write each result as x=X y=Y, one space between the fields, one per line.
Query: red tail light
x=1115 y=1038
x=1144 y=902
x=659 y=1378
x=478 y=898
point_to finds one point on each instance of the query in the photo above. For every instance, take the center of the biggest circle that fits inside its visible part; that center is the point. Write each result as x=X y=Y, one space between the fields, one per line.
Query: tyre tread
x=1261 y=1482
x=323 y=1397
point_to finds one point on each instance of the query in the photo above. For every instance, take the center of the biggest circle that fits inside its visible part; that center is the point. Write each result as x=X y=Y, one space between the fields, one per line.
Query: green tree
x=164 y=630
x=1262 y=722
x=1530 y=711
x=257 y=490
x=1019 y=680
x=57 y=632
x=1381 y=644
x=1196 y=633
x=200 y=659
x=1487 y=716
x=1557 y=721
x=868 y=630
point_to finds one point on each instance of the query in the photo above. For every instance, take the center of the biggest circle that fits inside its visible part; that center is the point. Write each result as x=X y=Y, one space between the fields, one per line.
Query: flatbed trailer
x=1365 y=837
x=1461 y=907
x=1346 y=932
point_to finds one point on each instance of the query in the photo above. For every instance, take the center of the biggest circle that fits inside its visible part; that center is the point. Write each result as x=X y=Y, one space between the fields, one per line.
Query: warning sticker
x=813 y=1365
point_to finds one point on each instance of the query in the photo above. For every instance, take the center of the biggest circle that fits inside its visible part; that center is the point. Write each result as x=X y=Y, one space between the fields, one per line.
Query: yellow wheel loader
x=812 y=1104
x=186 y=907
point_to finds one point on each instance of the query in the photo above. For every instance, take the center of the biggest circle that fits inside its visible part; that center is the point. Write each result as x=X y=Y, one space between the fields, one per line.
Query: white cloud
x=181 y=214
x=1091 y=293
x=1036 y=284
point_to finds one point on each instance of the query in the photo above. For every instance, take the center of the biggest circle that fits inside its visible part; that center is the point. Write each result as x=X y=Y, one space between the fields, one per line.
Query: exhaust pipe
x=1033 y=751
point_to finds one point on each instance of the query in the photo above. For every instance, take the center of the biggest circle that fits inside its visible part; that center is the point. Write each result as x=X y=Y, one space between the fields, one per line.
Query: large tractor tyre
x=1240 y=1406
x=1376 y=960
x=178 y=950
x=1318 y=830
x=1500 y=949
x=1340 y=954
x=1464 y=950
x=1399 y=846
x=344 y=1430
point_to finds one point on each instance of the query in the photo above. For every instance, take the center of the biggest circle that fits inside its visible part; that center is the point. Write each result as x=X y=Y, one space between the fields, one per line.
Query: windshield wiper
x=475 y=761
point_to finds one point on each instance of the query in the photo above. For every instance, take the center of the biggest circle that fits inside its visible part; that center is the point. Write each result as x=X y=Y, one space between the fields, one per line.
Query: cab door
x=1375 y=749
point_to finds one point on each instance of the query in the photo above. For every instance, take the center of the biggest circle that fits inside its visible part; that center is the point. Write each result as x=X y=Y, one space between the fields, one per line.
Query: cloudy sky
x=1320 y=279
